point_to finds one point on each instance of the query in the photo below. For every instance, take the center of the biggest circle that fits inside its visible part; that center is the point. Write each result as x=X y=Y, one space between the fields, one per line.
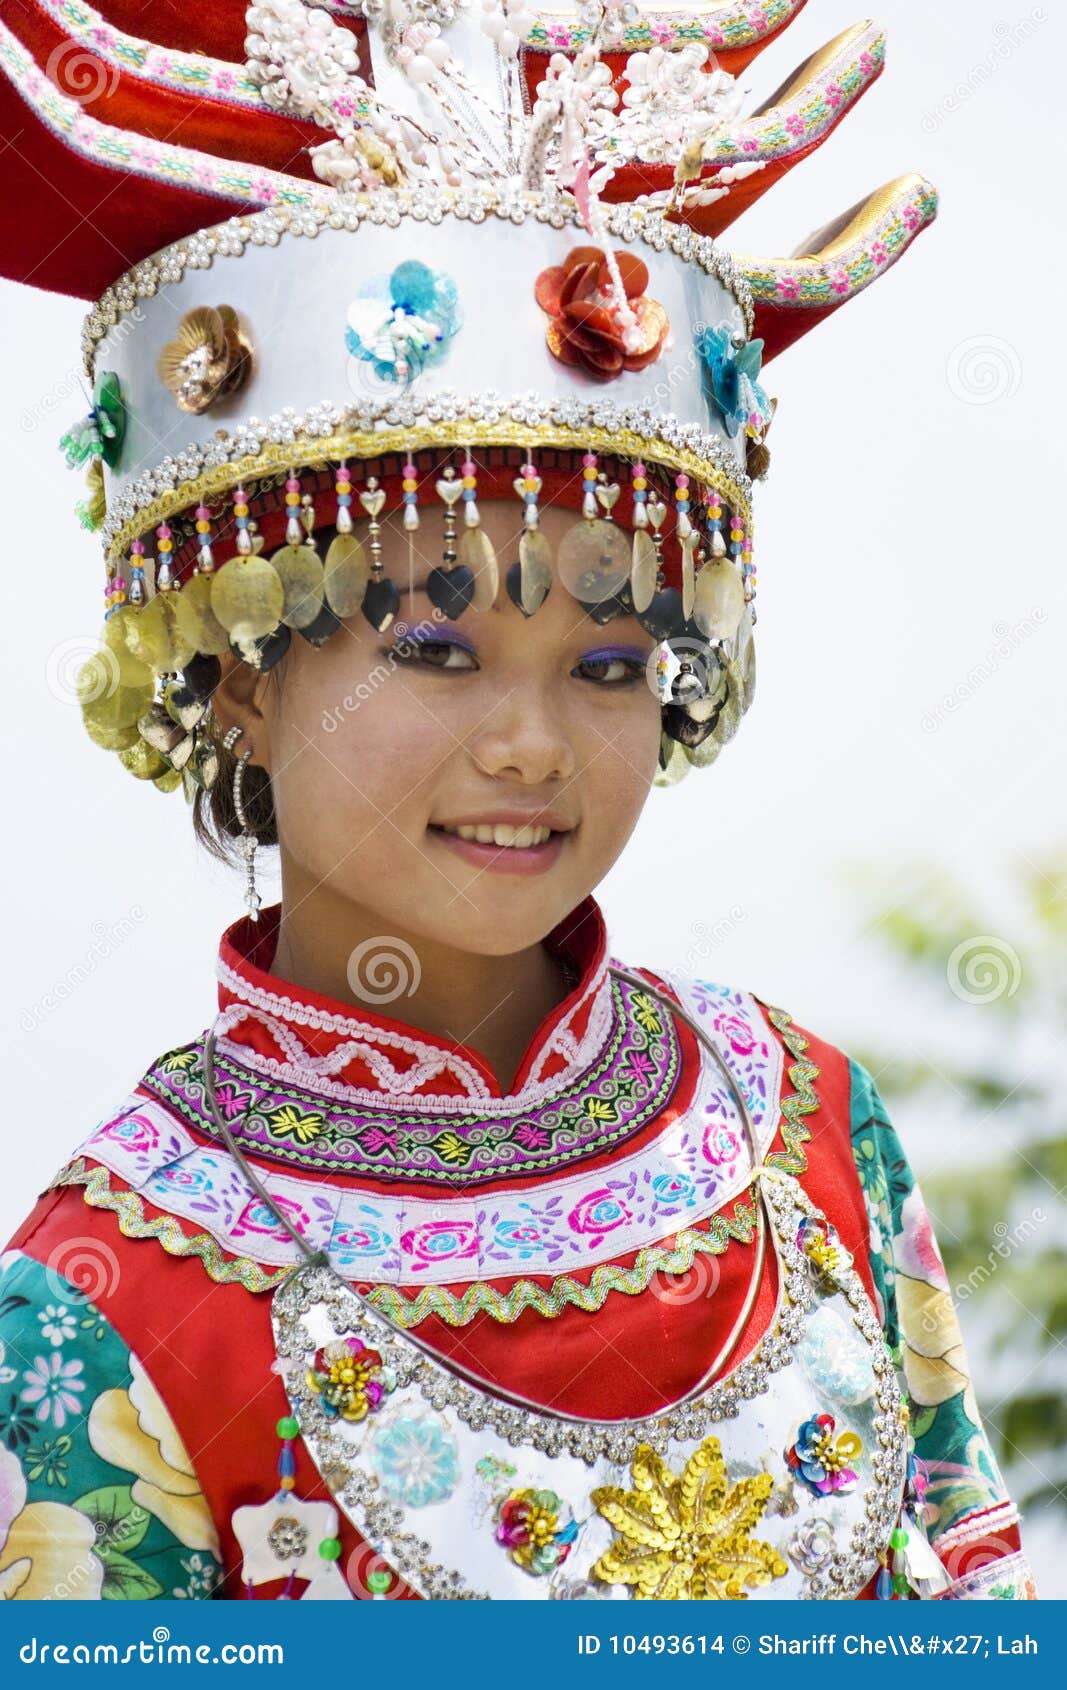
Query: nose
x=524 y=736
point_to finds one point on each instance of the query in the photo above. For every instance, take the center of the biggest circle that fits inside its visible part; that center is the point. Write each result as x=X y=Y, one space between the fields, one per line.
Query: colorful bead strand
x=530 y=486
x=681 y=506
x=469 y=473
x=114 y=595
x=737 y=536
x=164 y=546
x=243 y=540
x=343 y=489
x=716 y=543
x=639 y=488
x=137 y=586
x=205 y=561
x=410 y=490
x=294 y=533
x=590 y=507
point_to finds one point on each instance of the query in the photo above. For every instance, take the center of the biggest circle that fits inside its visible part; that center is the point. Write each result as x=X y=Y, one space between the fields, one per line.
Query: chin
x=501 y=923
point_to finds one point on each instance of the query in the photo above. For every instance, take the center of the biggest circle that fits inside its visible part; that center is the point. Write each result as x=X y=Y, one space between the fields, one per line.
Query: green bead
x=901 y=1586
x=330 y=1548
x=899 y=1538
x=288 y=1426
x=378 y=1580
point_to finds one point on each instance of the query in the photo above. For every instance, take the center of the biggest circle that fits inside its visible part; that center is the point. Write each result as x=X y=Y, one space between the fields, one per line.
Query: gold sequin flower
x=208 y=358
x=687 y=1535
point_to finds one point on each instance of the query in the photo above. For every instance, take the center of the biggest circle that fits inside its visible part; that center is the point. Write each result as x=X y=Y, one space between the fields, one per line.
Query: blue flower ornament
x=735 y=390
x=401 y=324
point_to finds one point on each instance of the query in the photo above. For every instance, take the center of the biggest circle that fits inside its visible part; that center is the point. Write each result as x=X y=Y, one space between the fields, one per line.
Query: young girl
x=459 y=1257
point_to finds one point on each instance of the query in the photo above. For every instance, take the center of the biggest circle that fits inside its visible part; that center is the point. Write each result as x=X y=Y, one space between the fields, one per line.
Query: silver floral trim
x=302 y=430
x=846 y=1572
x=390 y=207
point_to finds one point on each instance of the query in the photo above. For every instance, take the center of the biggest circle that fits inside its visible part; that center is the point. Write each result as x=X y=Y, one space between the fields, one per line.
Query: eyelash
x=415 y=651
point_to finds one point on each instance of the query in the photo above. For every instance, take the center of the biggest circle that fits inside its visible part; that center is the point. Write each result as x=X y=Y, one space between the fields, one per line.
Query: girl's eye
x=610 y=669
x=435 y=654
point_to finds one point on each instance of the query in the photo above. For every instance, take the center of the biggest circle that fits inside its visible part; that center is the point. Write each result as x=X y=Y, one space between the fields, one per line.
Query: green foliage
x=995 y=984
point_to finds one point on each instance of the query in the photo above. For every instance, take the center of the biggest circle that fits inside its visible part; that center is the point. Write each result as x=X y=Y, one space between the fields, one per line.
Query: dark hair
x=215 y=821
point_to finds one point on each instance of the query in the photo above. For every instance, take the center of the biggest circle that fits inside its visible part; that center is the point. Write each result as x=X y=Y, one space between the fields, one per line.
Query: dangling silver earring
x=247 y=841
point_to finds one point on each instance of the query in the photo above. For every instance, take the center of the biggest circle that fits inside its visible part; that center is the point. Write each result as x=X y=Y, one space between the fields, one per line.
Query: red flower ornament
x=591 y=326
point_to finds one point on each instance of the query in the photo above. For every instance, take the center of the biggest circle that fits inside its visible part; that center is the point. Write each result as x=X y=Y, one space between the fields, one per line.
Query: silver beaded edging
x=302 y=435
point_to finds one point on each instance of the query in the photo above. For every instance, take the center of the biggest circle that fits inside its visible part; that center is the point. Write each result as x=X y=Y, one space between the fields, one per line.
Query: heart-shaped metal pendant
x=657 y=513
x=372 y=501
x=449 y=490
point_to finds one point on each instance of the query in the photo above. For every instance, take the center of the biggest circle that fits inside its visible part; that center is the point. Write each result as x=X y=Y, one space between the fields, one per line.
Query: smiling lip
x=506 y=859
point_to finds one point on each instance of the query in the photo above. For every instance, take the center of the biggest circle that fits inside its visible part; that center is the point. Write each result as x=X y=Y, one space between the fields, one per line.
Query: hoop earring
x=247 y=842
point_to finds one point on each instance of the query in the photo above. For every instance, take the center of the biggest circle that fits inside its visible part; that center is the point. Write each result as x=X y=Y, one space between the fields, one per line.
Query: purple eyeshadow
x=436 y=636
x=626 y=652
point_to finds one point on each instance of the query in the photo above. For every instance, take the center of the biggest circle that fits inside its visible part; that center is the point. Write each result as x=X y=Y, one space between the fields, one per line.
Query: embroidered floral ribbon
x=676 y=1180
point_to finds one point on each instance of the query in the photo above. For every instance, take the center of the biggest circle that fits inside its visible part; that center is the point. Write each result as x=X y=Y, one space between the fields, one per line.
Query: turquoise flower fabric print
x=98 y=1498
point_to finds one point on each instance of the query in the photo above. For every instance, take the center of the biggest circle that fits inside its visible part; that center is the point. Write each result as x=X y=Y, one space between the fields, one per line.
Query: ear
x=238 y=702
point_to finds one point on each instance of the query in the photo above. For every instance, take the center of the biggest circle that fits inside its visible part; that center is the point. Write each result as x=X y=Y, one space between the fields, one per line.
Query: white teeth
x=502 y=833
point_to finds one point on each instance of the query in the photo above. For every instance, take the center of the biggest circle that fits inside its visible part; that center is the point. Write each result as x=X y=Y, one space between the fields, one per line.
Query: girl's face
x=403 y=764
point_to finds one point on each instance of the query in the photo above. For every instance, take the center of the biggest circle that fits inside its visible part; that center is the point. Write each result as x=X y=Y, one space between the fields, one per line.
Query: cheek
x=621 y=750
x=350 y=746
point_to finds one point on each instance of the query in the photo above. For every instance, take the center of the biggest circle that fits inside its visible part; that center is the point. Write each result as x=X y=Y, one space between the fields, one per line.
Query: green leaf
x=119 y=1521
x=124 y=1580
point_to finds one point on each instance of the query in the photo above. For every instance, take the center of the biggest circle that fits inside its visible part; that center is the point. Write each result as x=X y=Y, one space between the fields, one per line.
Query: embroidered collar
x=308 y=1083
x=359 y=1054
x=578 y=1210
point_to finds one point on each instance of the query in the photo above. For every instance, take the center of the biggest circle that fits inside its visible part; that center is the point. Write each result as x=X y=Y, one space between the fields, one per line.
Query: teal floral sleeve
x=970 y=1518
x=97 y=1495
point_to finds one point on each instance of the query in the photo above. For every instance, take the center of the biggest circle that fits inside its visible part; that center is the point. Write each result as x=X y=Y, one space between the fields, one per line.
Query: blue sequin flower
x=417 y=1461
x=401 y=324
x=734 y=389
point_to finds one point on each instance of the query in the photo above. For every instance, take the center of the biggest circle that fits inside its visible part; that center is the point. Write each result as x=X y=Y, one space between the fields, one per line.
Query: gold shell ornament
x=300 y=571
x=247 y=597
x=719 y=599
x=208 y=358
x=195 y=620
x=153 y=636
x=535 y=571
x=346 y=573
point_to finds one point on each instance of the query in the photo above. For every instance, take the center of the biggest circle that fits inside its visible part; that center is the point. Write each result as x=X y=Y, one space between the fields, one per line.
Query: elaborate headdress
x=360 y=256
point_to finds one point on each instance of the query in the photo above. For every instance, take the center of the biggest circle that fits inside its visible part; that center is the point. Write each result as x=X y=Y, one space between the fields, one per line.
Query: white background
x=910 y=525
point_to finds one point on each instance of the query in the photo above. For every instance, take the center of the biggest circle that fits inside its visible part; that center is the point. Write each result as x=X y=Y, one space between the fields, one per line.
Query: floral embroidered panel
x=98 y=1498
